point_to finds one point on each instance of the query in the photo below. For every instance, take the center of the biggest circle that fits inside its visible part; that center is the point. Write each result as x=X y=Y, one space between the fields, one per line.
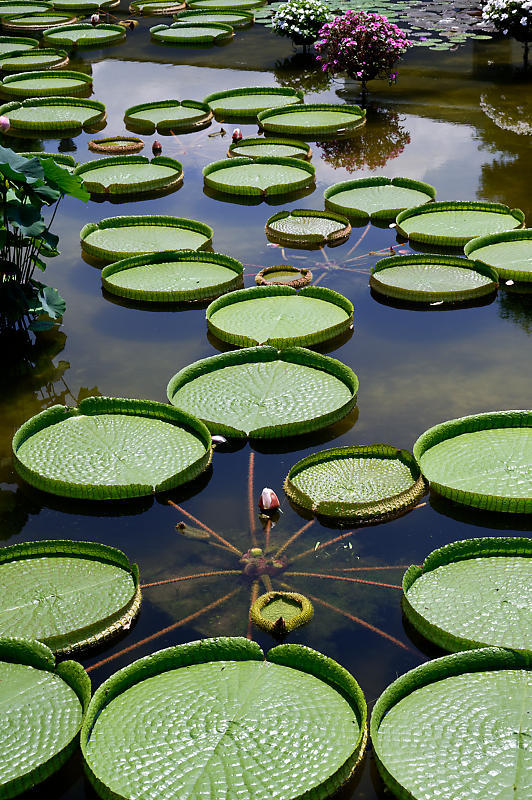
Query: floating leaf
x=240 y=5
x=43 y=58
x=156 y=7
x=378 y=198
x=278 y=613
x=84 y=34
x=9 y=44
x=259 y=177
x=168 y=116
x=36 y=22
x=284 y=275
x=42 y=84
x=125 y=175
x=303 y=227
x=260 y=147
x=117 y=145
x=236 y=19
x=246 y=103
x=59 y=115
x=313 y=120
x=184 y=33
x=510 y=253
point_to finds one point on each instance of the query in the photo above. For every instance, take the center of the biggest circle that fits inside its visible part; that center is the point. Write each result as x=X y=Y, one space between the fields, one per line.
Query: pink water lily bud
x=237 y=135
x=95 y=19
x=4 y=124
x=157 y=148
x=268 y=500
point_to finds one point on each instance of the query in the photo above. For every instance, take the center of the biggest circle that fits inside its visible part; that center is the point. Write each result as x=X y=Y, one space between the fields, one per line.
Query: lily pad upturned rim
x=248 y=18
x=146 y=126
x=138 y=6
x=358 y=114
x=85 y=82
x=128 y=186
x=254 y=191
x=375 y=511
x=35 y=654
x=131 y=144
x=305 y=615
x=101 y=629
x=484 y=547
x=83 y=5
x=245 y=113
x=198 y=4
x=422 y=296
x=62 y=60
x=54 y=125
x=361 y=183
x=307 y=238
x=295 y=355
x=204 y=651
x=453 y=205
x=115 y=34
x=111 y=405
x=475 y=422
x=523 y=234
x=258 y=292
x=189 y=295
x=224 y=33
x=306 y=150
x=38 y=22
x=63 y=159
x=23 y=40
x=302 y=276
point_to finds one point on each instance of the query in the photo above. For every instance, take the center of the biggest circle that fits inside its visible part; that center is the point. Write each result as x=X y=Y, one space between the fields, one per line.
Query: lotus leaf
x=10 y=44
x=53 y=115
x=43 y=58
x=260 y=147
x=168 y=116
x=313 y=120
x=248 y=102
x=301 y=227
x=39 y=21
x=259 y=177
x=510 y=253
x=41 y=84
x=236 y=19
x=85 y=35
x=284 y=275
x=192 y=33
x=378 y=198
x=124 y=175
x=117 y=145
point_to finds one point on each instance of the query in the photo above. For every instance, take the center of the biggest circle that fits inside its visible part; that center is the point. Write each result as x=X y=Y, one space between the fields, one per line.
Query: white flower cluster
x=512 y=17
x=300 y=20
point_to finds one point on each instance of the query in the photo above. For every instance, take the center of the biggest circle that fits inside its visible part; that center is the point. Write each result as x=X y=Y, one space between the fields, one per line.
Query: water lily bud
x=4 y=124
x=157 y=148
x=237 y=135
x=131 y=26
x=95 y=19
x=268 y=500
x=217 y=439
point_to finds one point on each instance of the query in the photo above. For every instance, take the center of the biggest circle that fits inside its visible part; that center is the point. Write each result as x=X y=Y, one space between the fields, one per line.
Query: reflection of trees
x=517 y=308
x=301 y=72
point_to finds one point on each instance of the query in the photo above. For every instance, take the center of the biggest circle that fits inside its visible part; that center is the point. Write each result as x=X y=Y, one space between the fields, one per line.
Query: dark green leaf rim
x=10 y=88
x=128 y=144
x=130 y=186
x=302 y=276
x=115 y=34
x=209 y=176
x=149 y=8
x=83 y=5
x=39 y=21
x=246 y=113
x=308 y=238
x=359 y=118
x=158 y=32
x=198 y=4
x=497 y=238
x=362 y=183
x=305 y=615
x=202 y=120
x=97 y=118
x=453 y=205
x=305 y=149
x=62 y=60
x=247 y=16
x=63 y=159
x=33 y=43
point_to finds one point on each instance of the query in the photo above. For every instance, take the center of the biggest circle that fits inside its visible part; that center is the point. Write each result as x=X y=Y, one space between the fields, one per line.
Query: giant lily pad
x=280 y=316
x=432 y=279
x=43 y=84
x=85 y=35
x=156 y=8
x=484 y=460
x=294 y=700
x=260 y=176
x=454 y=223
x=457 y=727
x=63 y=159
x=184 y=33
x=10 y=9
x=168 y=116
x=172 y=277
x=42 y=711
x=43 y=58
x=473 y=593
x=130 y=175
x=240 y=5
x=236 y=19
x=302 y=227
x=510 y=253
x=378 y=198
x=10 y=44
x=110 y=448
x=68 y=595
x=365 y=484
x=115 y=238
x=313 y=120
x=248 y=102
x=39 y=21
x=279 y=613
x=84 y=6
x=260 y=147
x=53 y=115
x=265 y=393
x=117 y=145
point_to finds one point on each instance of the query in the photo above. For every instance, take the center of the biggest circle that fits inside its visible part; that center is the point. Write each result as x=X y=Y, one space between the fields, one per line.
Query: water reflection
x=517 y=308
x=300 y=72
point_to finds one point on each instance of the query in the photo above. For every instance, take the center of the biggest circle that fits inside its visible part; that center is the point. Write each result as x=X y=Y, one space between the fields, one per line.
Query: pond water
x=460 y=121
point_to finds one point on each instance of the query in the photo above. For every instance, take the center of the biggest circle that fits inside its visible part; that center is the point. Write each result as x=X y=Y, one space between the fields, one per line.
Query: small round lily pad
x=183 y=33
x=278 y=613
x=292 y=700
x=10 y=44
x=430 y=279
x=130 y=175
x=31 y=60
x=454 y=223
x=241 y=5
x=111 y=448
x=116 y=238
x=259 y=177
x=156 y=8
x=46 y=83
x=37 y=22
x=85 y=35
x=117 y=145
x=473 y=593
x=365 y=484
x=377 y=198
x=313 y=120
x=168 y=116
x=510 y=253
x=260 y=147
x=236 y=19
x=484 y=460
x=262 y=392
x=279 y=316
x=173 y=277
x=43 y=705
x=302 y=227
x=248 y=102
x=68 y=595
x=284 y=275
x=53 y=115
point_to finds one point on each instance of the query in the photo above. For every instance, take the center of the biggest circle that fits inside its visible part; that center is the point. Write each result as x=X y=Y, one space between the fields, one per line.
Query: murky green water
x=442 y=123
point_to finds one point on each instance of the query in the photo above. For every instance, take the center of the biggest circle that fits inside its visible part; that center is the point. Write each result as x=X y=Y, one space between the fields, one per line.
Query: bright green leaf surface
x=459 y=223
x=378 y=198
x=238 y=4
x=74 y=33
x=135 y=239
x=281 y=607
x=301 y=225
x=211 y=16
x=8 y=9
x=162 y=113
x=52 y=82
x=76 y=114
x=432 y=278
x=172 y=276
x=7 y=46
x=130 y=174
x=189 y=33
x=252 y=102
x=514 y=256
x=34 y=59
x=286 y=276
x=261 y=176
x=39 y=19
x=309 y=119
x=276 y=150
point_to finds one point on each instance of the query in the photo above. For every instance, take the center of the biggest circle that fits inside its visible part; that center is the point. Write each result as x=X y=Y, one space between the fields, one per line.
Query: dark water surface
x=461 y=121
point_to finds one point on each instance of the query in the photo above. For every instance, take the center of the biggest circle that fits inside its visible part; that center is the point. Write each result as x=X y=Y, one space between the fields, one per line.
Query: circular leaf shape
x=294 y=700
x=473 y=593
x=484 y=460
x=454 y=728
x=172 y=277
x=265 y=393
x=294 y=609
x=301 y=227
x=454 y=223
x=279 y=316
x=313 y=120
x=377 y=198
x=116 y=238
x=42 y=84
x=510 y=253
x=259 y=177
x=53 y=115
x=117 y=145
x=156 y=8
x=260 y=147
x=85 y=35
x=248 y=102
x=240 y=5
x=284 y=275
x=183 y=33
x=365 y=484
x=10 y=44
x=37 y=22
x=43 y=58
x=68 y=595
x=430 y=279
x=130 y=175
x=168 y=116
x=110 y=448
x=236 y=19
x=10 y=9
x=63 y=159
x=85 y=6
x=42 y=712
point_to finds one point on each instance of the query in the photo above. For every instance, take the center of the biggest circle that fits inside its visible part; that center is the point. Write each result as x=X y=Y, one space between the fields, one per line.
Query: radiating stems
x=292 y=539
x=251 y=496
x=191 y=577
x=322 y=545
x=343 y=578
x=206 y=528
x=253 y=596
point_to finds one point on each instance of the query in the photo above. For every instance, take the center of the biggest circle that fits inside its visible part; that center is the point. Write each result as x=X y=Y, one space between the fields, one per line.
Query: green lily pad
x=294 y=700
x=313 y=120
x=84 y=6
x=116 y=238
x=55 y=115
x=240 y=5
x=302 y=227
x=284 y=275
x=454 y=223
x=11 y=9
x=68 y=595
x=117 y=145
x=172 y=277
x=365 y=484
x=265 y=393
x=42 y=84
x=278 y=613
x=110 y=448
x=130 y=175
x=260 y=147
x=236 y=19
x=168 y=116
x=279 y=316
x=156 y=8
x=457 y=727
x=10 y=44
x=85 y=35
x=247 y=103
x=43 y=58
x=184 y=33
x=42 y=711
x=510 y=253
x=473 y=593
x=484 y=460
x=377 y=198
x=63 y=159
x=37 y=21
x=260 y=176
x=432 y=279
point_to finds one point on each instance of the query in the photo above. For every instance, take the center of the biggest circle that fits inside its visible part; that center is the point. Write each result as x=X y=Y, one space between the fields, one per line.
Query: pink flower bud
x=268 y=500
x=157 y=148
x=4 y=124
x=237 y=135
x=95 y=19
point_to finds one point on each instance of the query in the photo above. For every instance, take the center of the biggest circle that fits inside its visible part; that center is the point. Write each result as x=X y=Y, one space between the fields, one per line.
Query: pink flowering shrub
x=363 y=44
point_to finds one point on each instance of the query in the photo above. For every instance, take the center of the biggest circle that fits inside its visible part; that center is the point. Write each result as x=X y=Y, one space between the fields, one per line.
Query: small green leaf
x=65 y=181
x=52 y=303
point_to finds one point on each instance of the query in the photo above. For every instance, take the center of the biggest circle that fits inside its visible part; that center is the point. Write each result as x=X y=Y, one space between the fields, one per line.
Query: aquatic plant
x=511 y=18
x=300 y=20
